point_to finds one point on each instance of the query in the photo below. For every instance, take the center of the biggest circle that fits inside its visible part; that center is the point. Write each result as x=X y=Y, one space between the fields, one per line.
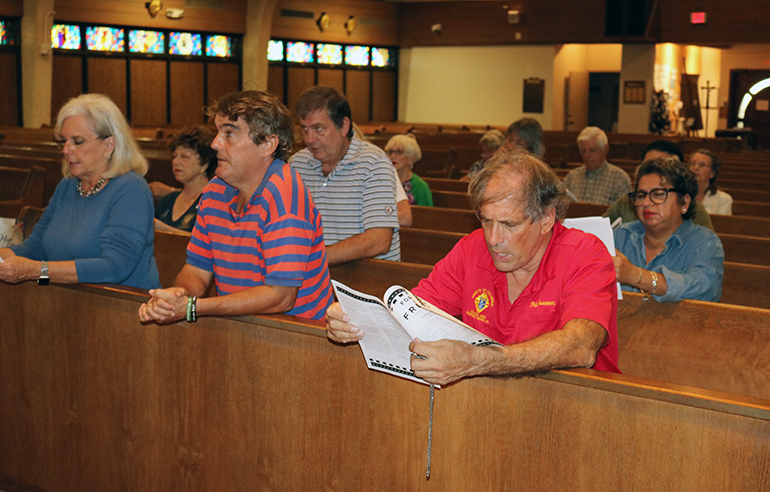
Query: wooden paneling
x=9 y=90
x=11 y=8
x=377 y=22
x=148 y=92
x=331 y=77
x=108 y=76
x=222 y=15
x=186 y=92
x=103 y=403
x=275 y=78
x=739 y=21
x=67 y=82
x=358 y=94
x=223 y=78
x=486 y=23
x=300 y=79
x=384 y=96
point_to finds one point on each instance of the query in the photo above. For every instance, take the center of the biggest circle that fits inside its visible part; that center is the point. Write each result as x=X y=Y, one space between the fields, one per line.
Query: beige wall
x=580 y=58
x=638 y=64
x=477 y=86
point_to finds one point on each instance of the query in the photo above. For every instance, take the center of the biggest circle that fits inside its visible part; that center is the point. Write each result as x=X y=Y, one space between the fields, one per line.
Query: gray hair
x=105 y=120
x=409 y=143
x=529 y=130
x=591 y=132
x=541 y=190
x=493 y=139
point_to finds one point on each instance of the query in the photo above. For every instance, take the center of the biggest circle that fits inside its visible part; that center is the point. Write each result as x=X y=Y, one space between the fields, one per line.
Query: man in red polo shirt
x=546 y=292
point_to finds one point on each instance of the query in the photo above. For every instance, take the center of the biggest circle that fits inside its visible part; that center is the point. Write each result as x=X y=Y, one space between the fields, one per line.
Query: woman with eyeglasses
x=663 y=253
x=98 y=225
x=705 y=166
x=404 y=151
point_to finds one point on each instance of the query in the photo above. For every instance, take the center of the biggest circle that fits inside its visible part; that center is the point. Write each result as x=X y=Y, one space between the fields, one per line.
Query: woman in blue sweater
x=98 y=226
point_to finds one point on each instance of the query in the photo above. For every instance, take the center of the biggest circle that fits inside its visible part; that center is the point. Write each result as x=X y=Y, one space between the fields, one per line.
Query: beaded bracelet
x=192 y=309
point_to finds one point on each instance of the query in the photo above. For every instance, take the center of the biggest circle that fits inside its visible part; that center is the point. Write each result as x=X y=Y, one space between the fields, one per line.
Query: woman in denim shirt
x=664 y=253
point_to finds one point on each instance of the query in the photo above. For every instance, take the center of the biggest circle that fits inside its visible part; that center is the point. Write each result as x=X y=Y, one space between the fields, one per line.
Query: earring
x=684 y=210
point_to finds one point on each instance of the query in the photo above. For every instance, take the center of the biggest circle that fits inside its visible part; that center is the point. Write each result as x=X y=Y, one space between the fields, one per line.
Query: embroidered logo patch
x=482 y=299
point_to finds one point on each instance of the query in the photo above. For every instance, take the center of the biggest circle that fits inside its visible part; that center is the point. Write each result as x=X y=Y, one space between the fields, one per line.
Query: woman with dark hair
x=664 y=253
x=194 y=163
x=705 y=166
x=526 y=134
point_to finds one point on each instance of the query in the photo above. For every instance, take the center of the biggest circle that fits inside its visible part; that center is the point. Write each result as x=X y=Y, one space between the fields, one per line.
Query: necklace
x=651 y=247
x=93 y=191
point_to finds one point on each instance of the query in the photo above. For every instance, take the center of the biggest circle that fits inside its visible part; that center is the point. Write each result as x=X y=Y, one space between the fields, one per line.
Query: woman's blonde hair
x=105 y=120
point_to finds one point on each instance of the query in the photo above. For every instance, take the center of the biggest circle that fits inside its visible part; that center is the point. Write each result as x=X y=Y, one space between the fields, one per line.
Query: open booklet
x=601 y=228
x=390 y=326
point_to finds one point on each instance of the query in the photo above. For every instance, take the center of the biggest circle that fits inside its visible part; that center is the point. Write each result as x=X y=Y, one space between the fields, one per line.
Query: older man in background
x=596 y=181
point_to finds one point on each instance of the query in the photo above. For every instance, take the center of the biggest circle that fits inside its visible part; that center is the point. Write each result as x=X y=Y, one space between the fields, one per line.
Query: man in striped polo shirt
x=352 y=181
x=258 y=233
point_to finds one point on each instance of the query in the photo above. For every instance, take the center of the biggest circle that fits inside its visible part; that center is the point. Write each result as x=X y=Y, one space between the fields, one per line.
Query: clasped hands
x=444 y=362
x=165 y=306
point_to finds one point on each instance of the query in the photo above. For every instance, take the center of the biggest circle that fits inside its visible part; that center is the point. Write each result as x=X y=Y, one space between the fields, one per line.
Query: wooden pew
x=746 y=285
x=746 y=249
x=425 y=246
x=741 y=225
x=21 y=188
x=450 y=199
x=52 y=166
x=103 y=403
x=439 y=184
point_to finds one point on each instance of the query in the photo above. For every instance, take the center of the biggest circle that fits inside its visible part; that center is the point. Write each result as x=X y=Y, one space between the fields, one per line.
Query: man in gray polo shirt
x=352 y=181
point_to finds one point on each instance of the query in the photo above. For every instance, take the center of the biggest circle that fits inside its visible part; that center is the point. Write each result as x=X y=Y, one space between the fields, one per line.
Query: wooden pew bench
x=223 y=404
x=21 y=188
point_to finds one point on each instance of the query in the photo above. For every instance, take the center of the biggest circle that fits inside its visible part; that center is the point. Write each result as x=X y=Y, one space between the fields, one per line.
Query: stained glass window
x=329 y=53
x=3 y=34
x=299 y=52
x=381 y=57
x=219 y=45
x=65 y=37
x=275 y=50
x=184 y=43
x=357 y=55
x=145 y=41
x=104 y=39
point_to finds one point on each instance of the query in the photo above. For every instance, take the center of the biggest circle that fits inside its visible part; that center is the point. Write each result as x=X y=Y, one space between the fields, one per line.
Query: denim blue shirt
x=692 y=261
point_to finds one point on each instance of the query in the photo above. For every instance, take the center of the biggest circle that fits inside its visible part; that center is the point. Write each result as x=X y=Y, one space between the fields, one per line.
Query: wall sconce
x=153 y=7
x=350 y=25
x=513 y=17
x=436 y=28
x=323 y=21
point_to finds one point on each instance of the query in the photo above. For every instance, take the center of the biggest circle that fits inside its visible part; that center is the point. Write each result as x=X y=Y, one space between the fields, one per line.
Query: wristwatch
x=44 y=279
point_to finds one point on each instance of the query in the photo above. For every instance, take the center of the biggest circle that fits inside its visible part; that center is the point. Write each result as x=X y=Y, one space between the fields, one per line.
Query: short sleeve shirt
x=576 y=279
x=359 y=193
x=277 y=239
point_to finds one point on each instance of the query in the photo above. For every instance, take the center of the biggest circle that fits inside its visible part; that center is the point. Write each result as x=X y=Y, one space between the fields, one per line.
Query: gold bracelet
x=654 y=281
x=639 y=282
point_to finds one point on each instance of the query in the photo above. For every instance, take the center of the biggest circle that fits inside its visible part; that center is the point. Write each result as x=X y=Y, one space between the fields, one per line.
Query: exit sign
x=698 y=18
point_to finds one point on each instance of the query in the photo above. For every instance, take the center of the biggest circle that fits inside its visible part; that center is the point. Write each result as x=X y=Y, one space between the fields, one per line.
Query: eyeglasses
x=700 y=165
x=75 y=142
x=395 y=152
x=658 y=196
